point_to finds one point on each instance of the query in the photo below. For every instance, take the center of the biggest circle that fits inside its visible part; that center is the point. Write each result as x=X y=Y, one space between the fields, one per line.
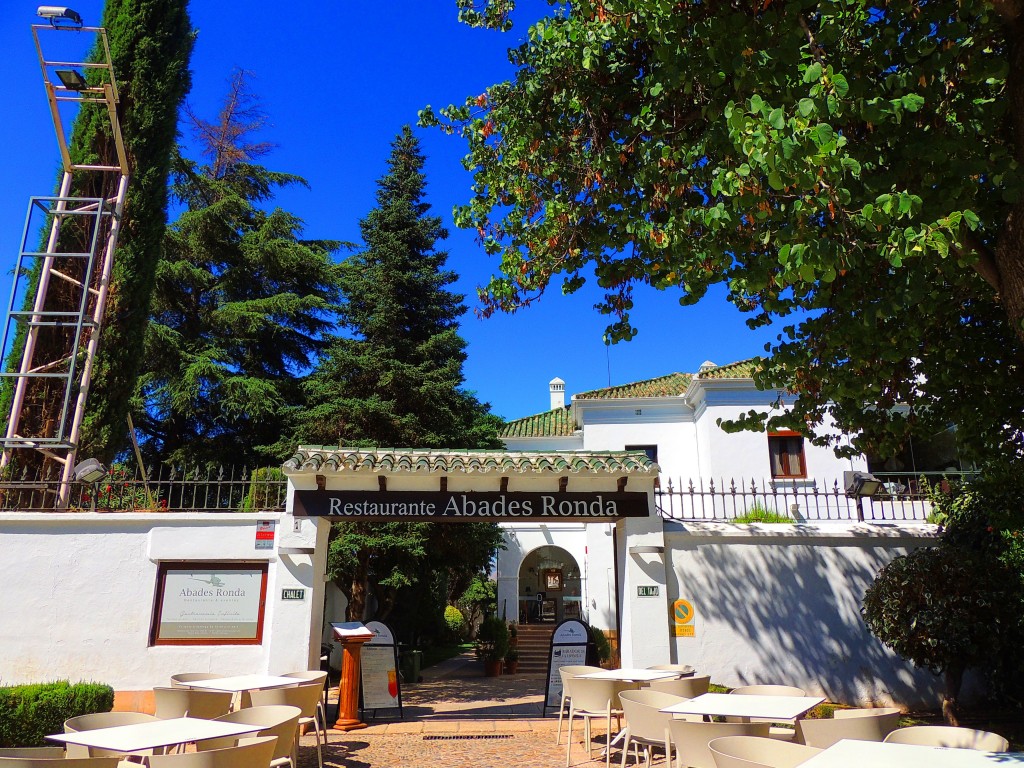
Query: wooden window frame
x=158 y=603
x=788 y=434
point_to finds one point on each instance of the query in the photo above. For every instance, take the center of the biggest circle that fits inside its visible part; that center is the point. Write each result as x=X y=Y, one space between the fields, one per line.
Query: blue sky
x=337 y=87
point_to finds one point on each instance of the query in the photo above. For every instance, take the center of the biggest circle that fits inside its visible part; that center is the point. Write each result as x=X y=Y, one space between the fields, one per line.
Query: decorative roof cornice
x=339 y=460
x=670 y=385
x=555 y=423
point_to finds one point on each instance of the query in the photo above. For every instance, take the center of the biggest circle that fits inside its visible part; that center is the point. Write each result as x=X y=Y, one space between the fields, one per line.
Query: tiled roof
x=662 y=386
x=316 y=458
x=744 y=369
x=555 y=423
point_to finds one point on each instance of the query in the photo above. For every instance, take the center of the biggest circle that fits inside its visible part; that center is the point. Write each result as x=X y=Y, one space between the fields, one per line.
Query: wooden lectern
x=351 y=635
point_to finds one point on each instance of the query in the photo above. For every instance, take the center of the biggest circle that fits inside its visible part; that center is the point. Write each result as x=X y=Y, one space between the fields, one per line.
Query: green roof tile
x=556 y=423
x=673 y=384
x=744 y=369
x=318 y=458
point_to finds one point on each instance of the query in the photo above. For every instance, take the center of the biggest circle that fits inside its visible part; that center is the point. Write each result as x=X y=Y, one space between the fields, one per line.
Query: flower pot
x=511 y=667
x=492 y=668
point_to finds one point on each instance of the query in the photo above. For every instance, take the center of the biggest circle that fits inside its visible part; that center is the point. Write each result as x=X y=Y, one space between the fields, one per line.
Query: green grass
x=758 y=514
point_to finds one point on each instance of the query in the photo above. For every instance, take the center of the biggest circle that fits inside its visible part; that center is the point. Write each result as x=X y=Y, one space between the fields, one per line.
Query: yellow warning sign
x=684 y=630
x=682 y=612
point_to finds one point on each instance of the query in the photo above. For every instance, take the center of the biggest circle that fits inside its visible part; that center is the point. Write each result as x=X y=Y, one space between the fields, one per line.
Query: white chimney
x=557 y=388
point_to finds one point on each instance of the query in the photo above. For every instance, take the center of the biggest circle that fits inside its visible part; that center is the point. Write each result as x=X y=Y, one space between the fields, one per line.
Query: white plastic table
x=240 y=683
x=632 y=675
x=745 y=705
x=158 y=733
x=848 y=753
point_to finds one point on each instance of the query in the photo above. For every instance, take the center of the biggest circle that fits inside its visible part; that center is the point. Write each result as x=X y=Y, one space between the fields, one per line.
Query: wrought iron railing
x=163 y=488
x=904 y=496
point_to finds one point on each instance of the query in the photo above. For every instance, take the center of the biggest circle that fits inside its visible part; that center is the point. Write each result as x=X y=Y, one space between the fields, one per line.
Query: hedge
x=29 y=712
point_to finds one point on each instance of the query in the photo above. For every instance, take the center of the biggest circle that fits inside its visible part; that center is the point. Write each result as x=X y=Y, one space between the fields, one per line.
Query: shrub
x=943 y=608
x=602 y=645
x=29 y=712
x=455 y=622
x=492 y=639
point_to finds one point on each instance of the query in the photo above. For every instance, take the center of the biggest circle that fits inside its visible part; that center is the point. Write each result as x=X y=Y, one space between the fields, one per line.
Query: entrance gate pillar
x=643 y=595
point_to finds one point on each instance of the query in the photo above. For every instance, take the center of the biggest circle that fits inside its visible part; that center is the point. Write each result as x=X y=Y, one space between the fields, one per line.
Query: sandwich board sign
x=568 y=648
x=378 y=662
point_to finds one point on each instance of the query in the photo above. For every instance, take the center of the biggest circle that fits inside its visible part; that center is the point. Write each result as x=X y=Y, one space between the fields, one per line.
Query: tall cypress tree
x=241 y=300
x=395 y=378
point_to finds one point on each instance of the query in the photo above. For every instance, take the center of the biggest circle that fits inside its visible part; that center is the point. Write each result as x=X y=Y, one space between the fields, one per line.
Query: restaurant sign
x=469 y=507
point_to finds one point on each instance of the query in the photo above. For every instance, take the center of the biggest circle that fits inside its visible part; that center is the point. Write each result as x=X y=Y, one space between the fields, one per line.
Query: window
x=650 y=450
x=786 y=452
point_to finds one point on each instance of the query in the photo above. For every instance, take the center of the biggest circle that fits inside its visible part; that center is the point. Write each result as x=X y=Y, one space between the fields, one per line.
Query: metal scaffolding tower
x=64 y=265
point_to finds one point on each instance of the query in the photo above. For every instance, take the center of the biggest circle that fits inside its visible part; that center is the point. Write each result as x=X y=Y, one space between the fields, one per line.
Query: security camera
x=58 y=12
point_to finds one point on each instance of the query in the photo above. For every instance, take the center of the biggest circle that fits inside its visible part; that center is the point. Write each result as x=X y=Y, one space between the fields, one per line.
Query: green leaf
x=842 y=87
x=806 y=107
x=777 y=119
x=775 y=181
x=912 y=102
x=813 y=73
x=756 y=104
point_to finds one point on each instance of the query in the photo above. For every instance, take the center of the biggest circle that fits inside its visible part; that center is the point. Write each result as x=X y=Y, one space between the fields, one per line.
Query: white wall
x=780 y=604
x=78 y=594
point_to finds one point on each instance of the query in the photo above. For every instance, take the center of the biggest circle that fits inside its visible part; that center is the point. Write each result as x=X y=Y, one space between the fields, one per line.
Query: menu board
x=568 y=648
x=379 y=669
x=209 y=603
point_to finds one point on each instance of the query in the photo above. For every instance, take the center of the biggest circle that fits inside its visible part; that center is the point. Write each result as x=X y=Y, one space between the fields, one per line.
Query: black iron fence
x=902 y=496
x=161 y=489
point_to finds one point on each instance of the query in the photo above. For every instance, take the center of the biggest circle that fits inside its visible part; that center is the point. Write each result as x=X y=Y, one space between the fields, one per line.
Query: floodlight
x=59 y=13
x=90 y=471
x=71 y=79
x=861 y=484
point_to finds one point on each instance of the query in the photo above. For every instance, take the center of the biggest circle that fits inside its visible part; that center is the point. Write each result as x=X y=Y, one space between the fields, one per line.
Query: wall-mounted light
x=860 y=486
x=646 y=549
x=59 y=15
x=90 y=471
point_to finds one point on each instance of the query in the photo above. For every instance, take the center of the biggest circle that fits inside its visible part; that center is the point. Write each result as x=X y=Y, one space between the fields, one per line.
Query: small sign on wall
x=293 y=594
x=682 y=618
x=264 y=534
x=647 y=591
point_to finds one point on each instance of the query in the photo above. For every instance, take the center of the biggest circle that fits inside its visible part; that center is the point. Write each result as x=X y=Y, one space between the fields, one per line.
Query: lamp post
x=861 y=485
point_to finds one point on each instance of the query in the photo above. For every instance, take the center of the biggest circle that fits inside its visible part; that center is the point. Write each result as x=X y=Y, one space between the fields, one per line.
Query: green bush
x=944 y=608
x=29 y=712
x=492 y=639
x=455 y=622
x=602 y=645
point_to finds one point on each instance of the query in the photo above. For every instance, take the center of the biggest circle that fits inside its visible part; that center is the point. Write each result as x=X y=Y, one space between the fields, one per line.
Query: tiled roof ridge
x=740 y=369
x=668 y=384
x=319 y=458
x=557 y=422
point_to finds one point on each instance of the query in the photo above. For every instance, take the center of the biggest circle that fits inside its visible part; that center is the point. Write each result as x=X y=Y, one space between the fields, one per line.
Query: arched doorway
x=550 y=587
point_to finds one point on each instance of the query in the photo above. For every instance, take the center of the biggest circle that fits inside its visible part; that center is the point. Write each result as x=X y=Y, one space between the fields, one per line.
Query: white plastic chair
x=274 y=720
x=96 y=720
x=305 y=696
x=191 y=677
x=59 y=762
x=191 y=702
x=250 y=753
x=873 y=725
x=690 y=739
x=593 y=698
x=321 y=677
x=573 y=670
x=948 y=736
x=687 y=687
x=645 y=725
x=757 y=752
x=44 y=752
x=682 y=669
x=785 y=734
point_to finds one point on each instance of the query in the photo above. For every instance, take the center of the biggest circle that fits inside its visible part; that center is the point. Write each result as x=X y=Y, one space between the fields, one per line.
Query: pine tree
x=396 y=379
x=241 y=301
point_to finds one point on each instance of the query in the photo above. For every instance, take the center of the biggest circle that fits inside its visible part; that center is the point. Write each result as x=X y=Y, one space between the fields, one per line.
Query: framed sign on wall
x=204 y=603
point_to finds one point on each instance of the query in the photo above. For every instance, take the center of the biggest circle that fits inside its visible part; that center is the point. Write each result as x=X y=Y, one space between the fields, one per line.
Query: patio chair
x=191 y=702
x=777 y=732
x=102 y=720
x=687 y=687
x=565 y=673
x=249 y=753
x=690 y=739
x=320 y=677
x=758 y=752
x=682 y=669
x=191 y=677
x=305 y=696
x=59 y=762
x=593 y=698
x=274 y=720
x=825 y=732
x=43 y=752
x=645 y=725
x=948 y=736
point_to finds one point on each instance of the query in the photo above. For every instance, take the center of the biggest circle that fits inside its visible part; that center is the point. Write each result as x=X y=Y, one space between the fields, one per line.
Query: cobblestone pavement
x=457 y=718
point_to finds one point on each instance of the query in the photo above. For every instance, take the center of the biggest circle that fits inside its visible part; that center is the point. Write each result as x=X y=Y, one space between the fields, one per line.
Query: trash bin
x=409 y=665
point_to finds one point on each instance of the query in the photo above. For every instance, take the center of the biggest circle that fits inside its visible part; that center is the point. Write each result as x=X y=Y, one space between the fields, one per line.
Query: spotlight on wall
x=860 y=486
x=90 y=471
x=71 y=79
x=59 y=15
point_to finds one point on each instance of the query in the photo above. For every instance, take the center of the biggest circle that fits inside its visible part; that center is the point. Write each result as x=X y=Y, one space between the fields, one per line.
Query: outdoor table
x=849 y=753
x=158 y=733
x=777 y=708
x=240 y=683
x=632 y=675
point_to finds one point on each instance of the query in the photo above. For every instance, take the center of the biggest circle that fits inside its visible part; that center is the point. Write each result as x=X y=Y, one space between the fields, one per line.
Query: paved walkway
x=457 y=718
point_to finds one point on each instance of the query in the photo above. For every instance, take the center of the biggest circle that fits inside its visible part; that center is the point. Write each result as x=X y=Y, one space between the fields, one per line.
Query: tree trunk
x=357 y=599
x=954 y=679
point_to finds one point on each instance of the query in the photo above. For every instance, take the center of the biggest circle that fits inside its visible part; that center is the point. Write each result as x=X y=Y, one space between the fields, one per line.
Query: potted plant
x=511 y=660
x=513 y=634
x=492 y=644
